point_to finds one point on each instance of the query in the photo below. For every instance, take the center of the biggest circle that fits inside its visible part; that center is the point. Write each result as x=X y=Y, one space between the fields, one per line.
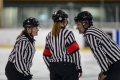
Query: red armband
x=47 y=52
x=73 y=47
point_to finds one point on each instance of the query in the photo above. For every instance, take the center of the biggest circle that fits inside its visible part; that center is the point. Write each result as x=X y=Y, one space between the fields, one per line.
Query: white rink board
x=8 y=36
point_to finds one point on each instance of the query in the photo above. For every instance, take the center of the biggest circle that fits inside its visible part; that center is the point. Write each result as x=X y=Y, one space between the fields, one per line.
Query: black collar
x=62 y=27
x=30 y=39
x=86 y=29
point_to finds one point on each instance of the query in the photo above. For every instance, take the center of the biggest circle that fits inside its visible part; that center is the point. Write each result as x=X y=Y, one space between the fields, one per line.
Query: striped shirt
x=22 y=54
x=62 y=48
x=104 y=49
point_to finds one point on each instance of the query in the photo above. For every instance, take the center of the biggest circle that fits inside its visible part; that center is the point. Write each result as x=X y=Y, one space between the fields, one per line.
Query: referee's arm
x=73 y=49
x=20 y=61
x=96 y=46
x=46 y=53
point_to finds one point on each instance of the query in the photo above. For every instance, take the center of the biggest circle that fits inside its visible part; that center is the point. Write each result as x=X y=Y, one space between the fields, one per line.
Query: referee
x=104 y=49
x=20 y=59
x=61 y=53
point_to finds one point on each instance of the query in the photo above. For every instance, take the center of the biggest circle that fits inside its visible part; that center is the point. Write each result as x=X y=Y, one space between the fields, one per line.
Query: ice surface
x=40 y=71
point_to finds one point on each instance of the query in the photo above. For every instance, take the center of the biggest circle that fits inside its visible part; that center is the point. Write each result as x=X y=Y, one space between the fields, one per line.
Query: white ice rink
x=39 y=70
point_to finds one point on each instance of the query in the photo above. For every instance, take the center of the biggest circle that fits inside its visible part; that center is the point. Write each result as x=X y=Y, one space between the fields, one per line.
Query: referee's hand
x=31 y=78
x=101 y=76
x=79 y=75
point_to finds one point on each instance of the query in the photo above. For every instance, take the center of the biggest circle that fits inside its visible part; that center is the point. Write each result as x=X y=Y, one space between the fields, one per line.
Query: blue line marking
x=117 y=37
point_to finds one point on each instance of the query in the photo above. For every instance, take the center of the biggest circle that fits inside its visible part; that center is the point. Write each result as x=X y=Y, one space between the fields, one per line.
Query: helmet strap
x=64 y=26
x=85 y=29
x=31 y=28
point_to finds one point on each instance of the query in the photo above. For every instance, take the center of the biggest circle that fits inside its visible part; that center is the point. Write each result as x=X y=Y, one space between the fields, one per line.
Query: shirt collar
x=30 y=39
x=62 y=27
x=86 y=31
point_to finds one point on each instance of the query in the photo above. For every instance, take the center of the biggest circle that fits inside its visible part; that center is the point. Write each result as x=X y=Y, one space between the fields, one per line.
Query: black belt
x=61 y=63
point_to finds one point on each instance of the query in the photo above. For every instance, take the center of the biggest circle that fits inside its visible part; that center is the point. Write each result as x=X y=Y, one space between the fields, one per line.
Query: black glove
x=29 y=76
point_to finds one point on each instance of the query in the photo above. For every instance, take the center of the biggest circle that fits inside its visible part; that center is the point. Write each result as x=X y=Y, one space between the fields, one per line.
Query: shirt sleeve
x=20 y=63
x=73 y=49
x=47 y=53
x=95 y=44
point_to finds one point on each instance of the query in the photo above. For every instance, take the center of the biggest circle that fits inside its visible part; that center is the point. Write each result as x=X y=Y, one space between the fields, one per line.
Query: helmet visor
x=68 y=22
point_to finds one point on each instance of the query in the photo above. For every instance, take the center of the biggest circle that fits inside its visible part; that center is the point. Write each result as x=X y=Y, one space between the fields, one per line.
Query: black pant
x=12 y=73
x=114 y=74
x=63 y=71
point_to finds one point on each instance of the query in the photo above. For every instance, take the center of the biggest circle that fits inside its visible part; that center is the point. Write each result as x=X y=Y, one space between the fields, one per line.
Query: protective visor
x=68 y=22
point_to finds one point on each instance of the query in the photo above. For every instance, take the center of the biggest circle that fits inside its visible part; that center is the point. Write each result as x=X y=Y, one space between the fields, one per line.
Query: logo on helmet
x=60 y=18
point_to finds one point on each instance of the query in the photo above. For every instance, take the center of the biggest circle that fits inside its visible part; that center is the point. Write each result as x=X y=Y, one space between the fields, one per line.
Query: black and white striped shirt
x=22 y=54
x=104 y=49
x=62 y=48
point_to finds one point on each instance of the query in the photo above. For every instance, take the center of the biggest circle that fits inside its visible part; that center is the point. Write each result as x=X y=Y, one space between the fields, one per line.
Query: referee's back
x=62 y=48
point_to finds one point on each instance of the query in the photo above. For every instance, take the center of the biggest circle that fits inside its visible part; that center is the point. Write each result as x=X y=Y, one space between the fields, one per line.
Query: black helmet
x=59 y=16
x=30 y=22
x=84 y=17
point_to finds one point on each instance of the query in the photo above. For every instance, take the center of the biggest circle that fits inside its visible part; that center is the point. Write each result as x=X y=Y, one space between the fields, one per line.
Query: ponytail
x=21 y=34
x=56 y=28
